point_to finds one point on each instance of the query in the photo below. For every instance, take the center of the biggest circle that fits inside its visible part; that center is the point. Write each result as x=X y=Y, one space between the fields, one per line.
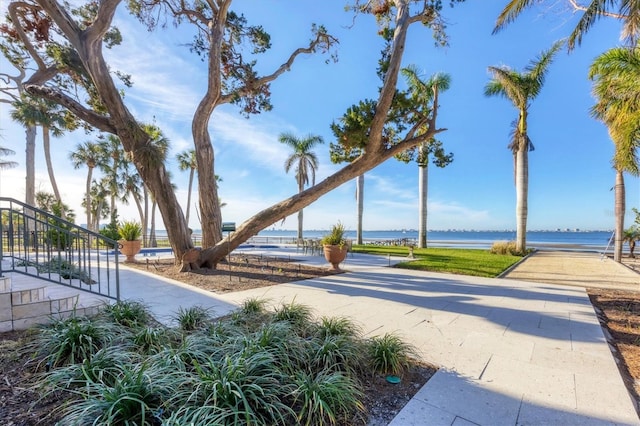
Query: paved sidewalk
x=511 y=352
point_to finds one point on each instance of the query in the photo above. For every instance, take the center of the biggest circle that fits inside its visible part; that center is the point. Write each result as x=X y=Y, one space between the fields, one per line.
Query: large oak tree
x=78 y=37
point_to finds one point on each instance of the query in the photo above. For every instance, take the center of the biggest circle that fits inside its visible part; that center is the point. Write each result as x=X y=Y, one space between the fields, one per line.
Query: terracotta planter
x=334 y=255
x=130 y=249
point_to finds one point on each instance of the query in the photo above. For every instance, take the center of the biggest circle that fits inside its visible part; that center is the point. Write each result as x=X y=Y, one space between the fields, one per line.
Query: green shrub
x=298 y=315
x=338 y=326
x=337 y=353
x=326 y=397
x=136 y=398
x=128 y=313
x=193 y=318
x=388 y=354
x=71 y=340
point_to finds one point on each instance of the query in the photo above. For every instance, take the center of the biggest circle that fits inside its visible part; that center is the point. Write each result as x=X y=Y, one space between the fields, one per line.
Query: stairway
x=26 y=301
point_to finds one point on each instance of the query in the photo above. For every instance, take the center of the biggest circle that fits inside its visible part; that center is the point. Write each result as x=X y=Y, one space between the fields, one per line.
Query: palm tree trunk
x=619 y=214
x=360 y=202
x=145 y=222
x=193 y=171
x=152 y=233
x=300 y=213
x=87 y=198
x=522 y=186
x=46 y=144
x=423 y=176
x=30 y=180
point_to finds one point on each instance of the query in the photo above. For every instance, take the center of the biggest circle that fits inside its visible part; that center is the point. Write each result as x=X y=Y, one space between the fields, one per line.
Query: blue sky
x=570 y=171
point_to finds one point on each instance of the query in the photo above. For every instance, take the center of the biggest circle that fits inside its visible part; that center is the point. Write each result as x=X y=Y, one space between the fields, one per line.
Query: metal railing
x=39 y=244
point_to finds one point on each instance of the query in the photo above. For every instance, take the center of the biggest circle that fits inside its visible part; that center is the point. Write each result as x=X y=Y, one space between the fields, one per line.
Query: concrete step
x=26 y=301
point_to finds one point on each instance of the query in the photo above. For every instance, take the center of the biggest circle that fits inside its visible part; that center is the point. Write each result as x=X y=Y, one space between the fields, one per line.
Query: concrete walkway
x=510 y=352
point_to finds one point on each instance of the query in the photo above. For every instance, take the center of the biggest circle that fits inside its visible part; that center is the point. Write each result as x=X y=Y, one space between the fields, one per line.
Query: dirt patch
x=619 y=314
x=243 y=272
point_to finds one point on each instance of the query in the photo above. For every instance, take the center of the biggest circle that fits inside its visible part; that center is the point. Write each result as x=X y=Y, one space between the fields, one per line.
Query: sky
x=570 y=181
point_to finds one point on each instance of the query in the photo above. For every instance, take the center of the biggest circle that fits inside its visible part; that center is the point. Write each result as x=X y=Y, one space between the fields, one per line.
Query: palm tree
x=304 y=159
x=99 y=205
x=521 y=89
x=158 y=148
x=87 y=154
x=52 y=120
x=187 y=161
x=422 y=92
x=111 y=168
x=616 y=75
x=628 y=11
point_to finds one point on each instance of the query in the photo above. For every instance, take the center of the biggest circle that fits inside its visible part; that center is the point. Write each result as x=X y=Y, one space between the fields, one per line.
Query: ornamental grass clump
x=130 y=314
x=504 y=247
x=193 y=318
x=71 y=340
x=389 y=354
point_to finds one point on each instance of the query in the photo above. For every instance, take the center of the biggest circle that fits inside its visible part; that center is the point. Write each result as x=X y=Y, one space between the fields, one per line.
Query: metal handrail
x=37 y=243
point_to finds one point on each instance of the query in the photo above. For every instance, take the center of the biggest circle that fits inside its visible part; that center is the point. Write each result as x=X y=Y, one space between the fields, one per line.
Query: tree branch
x=99 y=121
x=60 y=16
x=321 y=39
x=102 y=23
x=391 y=77
x=582 y=8
x=13 y=13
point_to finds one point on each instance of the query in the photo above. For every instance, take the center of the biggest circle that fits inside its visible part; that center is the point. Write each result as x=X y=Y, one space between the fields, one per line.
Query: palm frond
x=510 y=12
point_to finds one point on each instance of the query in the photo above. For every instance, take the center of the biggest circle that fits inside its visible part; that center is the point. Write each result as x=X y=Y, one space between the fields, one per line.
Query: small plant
x=71 y=340
x=128 y=313
x=254 y=305
x=338 y=326
x=129 y=231
x=503 y=247
x=135 y=399
x=335 y=237
x=326 y=397
x=193 y=318
x=390 y=355
x=299 y=316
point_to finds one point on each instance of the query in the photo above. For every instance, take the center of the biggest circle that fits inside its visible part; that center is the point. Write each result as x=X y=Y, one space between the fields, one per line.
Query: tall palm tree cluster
x=616 y=89
x=119 y=181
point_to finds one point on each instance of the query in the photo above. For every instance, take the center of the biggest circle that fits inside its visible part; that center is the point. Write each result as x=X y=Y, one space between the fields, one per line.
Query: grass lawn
x=480 y=263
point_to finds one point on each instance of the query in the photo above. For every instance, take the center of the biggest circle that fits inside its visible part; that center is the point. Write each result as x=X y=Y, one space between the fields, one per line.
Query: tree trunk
x=360 y=203
x=30 y=165
x=423 y=176
x=30 y=181
x=300 y=213
x=87 y=198
x=152 y=233
x=619 y=194
x=522 y=183
x=191 y=174
x=145 y=222
x=46 y=144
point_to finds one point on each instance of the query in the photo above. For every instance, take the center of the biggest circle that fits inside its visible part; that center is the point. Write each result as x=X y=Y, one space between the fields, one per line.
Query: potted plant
x=335 y=246
x=129 y=243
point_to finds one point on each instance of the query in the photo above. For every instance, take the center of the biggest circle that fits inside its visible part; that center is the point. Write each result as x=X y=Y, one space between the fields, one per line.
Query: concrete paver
x=510 y=351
